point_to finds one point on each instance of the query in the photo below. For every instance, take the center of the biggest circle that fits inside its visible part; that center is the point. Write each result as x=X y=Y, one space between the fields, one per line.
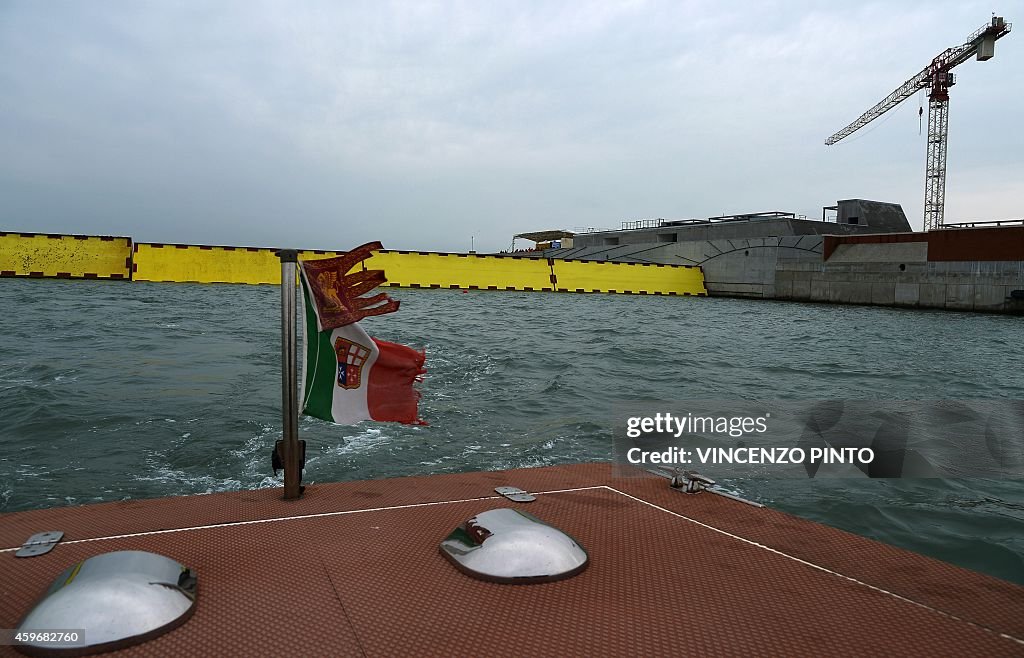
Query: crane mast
x=937 y=77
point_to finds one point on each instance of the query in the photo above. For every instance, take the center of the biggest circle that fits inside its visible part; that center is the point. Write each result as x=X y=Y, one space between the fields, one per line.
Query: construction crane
x=938 y=77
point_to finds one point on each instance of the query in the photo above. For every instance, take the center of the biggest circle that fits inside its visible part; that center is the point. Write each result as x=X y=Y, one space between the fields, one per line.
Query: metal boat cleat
x=690 y=481
x=694 y=482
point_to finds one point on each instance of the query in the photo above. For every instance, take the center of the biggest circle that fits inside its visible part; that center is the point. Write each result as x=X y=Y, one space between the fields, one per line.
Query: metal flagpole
x=291 y=450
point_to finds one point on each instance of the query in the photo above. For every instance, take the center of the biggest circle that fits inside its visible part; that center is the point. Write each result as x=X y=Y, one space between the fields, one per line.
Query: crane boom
x=942 y=63
x=902 y=93
x=938 y=77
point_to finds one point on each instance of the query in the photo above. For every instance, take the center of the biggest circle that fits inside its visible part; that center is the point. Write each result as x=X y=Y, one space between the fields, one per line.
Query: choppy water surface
x=127 y=390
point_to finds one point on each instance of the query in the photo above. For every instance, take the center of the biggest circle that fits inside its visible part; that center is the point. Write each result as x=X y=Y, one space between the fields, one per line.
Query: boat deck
x=354 y=569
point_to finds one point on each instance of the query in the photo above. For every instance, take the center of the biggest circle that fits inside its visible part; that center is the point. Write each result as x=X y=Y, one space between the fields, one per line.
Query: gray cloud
x=327 y=124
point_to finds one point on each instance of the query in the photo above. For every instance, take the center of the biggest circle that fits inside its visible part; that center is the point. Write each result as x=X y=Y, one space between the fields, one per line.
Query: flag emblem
x=351 y=357
x=347 y=376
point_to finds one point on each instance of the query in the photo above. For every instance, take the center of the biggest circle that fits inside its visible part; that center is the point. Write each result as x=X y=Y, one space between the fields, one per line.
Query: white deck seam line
x=815 y=566
x=276 y=519
x=538 y=493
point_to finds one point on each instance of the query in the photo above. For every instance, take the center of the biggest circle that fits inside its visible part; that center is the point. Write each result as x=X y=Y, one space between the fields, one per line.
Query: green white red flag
x=347 y=376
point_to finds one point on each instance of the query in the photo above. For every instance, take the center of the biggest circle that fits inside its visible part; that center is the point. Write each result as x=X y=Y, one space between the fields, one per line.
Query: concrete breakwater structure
x=868 y=255
x=977 y=269
x=107 y=257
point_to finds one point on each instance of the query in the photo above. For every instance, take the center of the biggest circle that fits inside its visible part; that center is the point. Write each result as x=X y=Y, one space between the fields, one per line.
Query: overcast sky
x=328 y=124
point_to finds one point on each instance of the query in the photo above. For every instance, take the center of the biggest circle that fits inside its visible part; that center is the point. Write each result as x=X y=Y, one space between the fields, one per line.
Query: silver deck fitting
x=508 y=546
x=693 y=482
x=515 y=494
x=40 y=543
x=108 y=602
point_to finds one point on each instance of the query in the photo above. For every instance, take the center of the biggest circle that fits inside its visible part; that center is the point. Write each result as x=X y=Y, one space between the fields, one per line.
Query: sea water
x=115 y=390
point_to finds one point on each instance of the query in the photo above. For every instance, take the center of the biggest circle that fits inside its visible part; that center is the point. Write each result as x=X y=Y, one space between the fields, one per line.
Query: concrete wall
x=877 y=215
x=964 y=286
x=892 y=269
x=739 y=267
x=756 y=228
x=746 y=268
x=1003 y=243
x=976 y=269
x=873 y=217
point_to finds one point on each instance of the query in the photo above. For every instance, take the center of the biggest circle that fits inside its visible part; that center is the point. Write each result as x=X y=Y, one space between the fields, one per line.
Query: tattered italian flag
x=347 y=376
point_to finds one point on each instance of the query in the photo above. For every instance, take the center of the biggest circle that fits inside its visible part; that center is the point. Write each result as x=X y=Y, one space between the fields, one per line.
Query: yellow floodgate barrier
x=155 y=261
x=65 y=256
x=181 y=263
x=635 y=278
x=78 y=256
x=417 y=269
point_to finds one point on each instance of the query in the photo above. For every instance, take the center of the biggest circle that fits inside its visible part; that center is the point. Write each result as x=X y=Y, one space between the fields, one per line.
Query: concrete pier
x=868 y=256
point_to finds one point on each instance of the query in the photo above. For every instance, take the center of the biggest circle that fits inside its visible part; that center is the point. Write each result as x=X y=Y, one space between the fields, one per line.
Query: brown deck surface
x=670 y=573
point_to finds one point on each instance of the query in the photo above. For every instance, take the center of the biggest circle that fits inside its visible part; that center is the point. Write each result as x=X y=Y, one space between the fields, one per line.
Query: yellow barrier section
x=210 y=264
x=432 y=270
x=636 y=278
x=74 y=256
x=65 y=256
x=204 y=264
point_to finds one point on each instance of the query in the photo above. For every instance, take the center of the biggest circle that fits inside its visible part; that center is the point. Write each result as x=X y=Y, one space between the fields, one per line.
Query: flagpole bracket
x=277 y=456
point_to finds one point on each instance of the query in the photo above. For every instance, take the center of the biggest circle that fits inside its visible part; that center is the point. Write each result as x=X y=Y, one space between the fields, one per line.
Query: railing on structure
x=745 y=217
x=642 y=223
x=1000 y=222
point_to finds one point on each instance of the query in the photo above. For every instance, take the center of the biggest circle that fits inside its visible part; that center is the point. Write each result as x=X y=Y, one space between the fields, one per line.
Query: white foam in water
x=532 y=462
x=255 y=457
x=366 y=441
x=190 y=482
